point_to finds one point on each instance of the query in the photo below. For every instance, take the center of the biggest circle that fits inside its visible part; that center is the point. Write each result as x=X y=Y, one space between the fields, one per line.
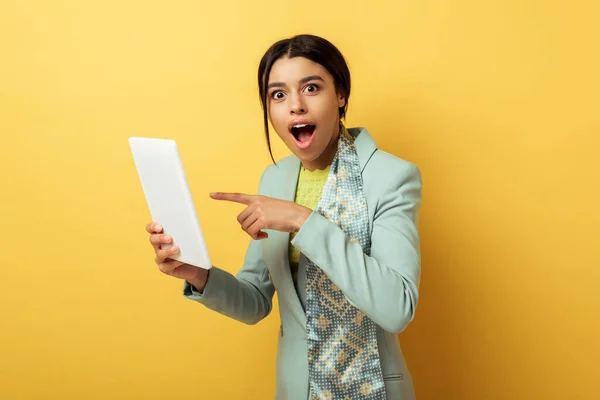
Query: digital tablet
x=169 y=198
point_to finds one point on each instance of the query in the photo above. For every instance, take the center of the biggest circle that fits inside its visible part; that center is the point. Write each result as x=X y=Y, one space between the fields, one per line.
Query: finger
x=169 y=267
x=235 y=197
x=158 y=239
x=162 y=255
x=245 y=214
x=251 y=219
x=154 y=227
x=255 y=229
x=262 y=235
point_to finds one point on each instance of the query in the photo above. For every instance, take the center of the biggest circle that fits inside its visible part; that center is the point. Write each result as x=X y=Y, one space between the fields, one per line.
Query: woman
x=334 y=231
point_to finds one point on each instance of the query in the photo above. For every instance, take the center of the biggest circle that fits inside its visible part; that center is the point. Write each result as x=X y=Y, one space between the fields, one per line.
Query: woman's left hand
x=266 y=213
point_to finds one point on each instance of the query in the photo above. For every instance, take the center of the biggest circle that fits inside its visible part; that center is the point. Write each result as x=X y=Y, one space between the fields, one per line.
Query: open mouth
x=303 y=134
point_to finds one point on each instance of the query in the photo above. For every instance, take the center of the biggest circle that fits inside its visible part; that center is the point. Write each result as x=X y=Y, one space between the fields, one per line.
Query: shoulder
x=390 y=170
x=392 y=184
x=275 y=170
x=276 y=174
x=380 y=165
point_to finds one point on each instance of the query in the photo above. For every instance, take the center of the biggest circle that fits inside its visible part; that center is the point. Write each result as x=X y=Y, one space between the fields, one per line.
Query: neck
x=326 y=158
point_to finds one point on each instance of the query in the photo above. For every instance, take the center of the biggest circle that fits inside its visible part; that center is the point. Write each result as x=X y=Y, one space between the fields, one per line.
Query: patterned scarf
x=343 y=357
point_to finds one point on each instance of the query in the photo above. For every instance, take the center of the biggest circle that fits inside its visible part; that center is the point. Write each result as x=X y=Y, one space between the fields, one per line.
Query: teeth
x=300 y=125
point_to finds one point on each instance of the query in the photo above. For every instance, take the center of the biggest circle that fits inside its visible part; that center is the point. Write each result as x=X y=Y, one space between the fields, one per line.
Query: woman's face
x=303 y=108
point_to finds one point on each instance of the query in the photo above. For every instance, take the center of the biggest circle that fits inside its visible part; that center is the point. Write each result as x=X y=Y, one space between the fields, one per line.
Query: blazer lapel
x=278 y=242
x=365 y=145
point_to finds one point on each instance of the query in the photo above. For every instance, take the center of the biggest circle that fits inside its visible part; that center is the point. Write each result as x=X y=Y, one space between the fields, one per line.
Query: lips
x=302 y=132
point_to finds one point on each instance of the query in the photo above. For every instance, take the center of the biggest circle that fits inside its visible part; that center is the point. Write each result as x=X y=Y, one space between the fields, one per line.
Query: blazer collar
x=365 y=145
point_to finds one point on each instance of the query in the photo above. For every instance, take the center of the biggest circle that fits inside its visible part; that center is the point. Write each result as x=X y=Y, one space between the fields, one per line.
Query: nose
x=297 y=105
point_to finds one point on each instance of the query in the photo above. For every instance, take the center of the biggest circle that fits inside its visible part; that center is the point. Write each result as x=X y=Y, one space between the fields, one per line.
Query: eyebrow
x=301 y=81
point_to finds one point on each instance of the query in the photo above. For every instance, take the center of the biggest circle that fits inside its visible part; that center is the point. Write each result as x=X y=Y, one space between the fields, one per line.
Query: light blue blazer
x=384 y=285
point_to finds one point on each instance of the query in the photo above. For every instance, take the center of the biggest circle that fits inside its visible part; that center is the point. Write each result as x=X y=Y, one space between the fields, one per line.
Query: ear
x=341 y=100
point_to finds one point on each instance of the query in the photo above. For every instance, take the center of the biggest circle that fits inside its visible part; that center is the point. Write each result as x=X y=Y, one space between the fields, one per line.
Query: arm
x=383 y=285
x=246 y=297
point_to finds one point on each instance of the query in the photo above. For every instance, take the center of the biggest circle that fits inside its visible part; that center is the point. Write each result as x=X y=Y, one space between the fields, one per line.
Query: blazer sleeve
x=247 y=296
x=384 y=285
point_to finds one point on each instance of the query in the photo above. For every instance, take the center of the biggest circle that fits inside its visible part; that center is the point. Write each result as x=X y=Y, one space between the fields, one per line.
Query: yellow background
x=496 y=101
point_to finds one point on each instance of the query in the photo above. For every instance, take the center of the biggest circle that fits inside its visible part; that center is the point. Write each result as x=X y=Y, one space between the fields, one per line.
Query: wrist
x=199 y=281
x=301 y=216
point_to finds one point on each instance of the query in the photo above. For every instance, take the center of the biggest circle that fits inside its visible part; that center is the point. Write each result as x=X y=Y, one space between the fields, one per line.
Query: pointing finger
x=234 y=197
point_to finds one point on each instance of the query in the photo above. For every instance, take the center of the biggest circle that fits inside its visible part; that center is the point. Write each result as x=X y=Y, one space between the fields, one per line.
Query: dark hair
x=313 y=48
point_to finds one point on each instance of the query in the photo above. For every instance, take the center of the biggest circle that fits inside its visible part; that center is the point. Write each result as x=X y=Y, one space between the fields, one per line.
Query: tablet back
x=168 y=197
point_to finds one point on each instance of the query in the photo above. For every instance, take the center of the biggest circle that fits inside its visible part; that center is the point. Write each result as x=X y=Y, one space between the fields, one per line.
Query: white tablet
x=168 y=197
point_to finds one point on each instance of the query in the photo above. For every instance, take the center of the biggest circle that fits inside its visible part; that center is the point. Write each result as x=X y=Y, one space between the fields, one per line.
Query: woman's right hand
x=194 y=275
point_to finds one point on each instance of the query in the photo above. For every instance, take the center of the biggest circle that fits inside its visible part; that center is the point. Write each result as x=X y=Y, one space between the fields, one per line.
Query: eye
x=277 y=95
x=312 y=88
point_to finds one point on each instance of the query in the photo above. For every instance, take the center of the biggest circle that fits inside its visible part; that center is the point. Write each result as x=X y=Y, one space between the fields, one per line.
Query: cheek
x=327 y=108
x=278 y=118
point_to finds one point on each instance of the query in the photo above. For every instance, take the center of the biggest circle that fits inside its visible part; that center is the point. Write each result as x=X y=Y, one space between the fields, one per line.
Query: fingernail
x=158 y=227
x=174 y=249
x=167 y=238
x=212 y=194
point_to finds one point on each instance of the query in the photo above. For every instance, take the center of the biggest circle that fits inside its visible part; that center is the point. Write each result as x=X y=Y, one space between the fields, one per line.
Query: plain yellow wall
x=496 y=101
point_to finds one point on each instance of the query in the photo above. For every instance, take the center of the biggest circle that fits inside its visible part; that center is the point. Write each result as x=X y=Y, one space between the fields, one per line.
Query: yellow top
x=308 y=194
